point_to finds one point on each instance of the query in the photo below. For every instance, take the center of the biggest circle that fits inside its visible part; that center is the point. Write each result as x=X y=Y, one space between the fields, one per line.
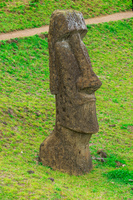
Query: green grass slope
x=27 y=116
x=22 y=14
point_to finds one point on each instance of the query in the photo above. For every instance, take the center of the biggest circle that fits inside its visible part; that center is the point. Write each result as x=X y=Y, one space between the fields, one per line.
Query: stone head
x=72 y=79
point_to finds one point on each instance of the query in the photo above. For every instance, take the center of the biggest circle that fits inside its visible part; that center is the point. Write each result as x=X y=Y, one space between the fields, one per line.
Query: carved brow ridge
x=67 y=35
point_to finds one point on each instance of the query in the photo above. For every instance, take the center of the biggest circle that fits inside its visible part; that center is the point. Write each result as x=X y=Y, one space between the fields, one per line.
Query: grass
x=27 y=116
x=121 y=175
x=22 y=14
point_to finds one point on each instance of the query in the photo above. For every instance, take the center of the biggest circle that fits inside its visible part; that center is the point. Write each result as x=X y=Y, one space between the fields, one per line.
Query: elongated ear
x=53 y=78
x=52 y=63
x=53 y=72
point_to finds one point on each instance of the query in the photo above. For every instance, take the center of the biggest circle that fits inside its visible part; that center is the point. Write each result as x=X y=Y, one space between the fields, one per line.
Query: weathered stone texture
x=73 y=82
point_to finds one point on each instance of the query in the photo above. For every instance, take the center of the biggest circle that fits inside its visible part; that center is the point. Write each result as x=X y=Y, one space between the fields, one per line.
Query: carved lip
x=88 y=97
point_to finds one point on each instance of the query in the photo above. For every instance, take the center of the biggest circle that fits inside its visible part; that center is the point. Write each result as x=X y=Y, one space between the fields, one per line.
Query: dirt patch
x=130 y=128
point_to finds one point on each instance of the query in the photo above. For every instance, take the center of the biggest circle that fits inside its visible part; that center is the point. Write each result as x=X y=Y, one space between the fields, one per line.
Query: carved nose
x=88 y=81
x=89 y=84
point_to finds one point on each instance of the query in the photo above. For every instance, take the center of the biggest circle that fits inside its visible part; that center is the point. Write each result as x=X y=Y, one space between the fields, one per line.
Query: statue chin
x=80 y=118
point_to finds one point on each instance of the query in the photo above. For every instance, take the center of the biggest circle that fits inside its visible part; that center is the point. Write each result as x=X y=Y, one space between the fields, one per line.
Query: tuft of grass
x=112 y=160
x=126 y=126
x=20 y=14
x=119 y=175
x=27 y=116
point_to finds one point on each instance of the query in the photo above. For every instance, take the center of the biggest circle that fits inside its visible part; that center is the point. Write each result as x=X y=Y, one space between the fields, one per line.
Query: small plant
x=124 y=176
x=111 y=161
x=125 y=126
x=2 y=4
x=33 y=3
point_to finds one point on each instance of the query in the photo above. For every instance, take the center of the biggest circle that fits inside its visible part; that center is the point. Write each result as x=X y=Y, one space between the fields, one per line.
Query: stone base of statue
x=67 y=151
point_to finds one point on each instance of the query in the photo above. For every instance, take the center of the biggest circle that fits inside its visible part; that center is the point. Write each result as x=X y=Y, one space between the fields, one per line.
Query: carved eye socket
x=82 y=33
x=66 y=36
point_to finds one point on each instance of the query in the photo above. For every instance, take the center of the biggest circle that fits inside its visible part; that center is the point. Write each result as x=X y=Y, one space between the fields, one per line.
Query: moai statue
x=73 y=83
